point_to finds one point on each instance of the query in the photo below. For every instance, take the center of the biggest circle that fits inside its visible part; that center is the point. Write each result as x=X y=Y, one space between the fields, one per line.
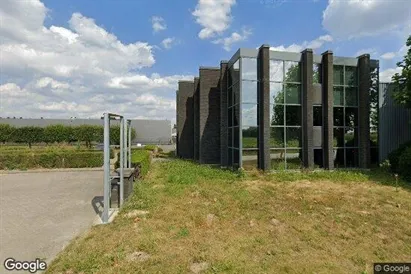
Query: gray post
x=125 y=136
x=121 y=161
x=364 y=110
x=129 y=143
x=327 y=100
x=106 y=167
x=307 y=102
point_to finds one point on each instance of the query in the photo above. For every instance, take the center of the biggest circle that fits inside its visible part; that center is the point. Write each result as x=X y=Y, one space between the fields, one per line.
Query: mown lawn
x=188 y=218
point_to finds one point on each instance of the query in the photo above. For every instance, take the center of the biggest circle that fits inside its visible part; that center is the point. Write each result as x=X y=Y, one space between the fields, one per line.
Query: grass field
x=188 y=218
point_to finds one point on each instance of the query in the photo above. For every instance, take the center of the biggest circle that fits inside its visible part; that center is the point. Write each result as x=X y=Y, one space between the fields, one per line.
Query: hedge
x=404 y=164
x=138 y=156
x=59 y=134
x=50 y=159
x=394 y=156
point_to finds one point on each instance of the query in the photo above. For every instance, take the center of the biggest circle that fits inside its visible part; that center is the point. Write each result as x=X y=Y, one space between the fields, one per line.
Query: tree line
x=86 y=134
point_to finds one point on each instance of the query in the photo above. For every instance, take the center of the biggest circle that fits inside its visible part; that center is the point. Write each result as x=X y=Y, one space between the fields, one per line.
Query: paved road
x=42 y=212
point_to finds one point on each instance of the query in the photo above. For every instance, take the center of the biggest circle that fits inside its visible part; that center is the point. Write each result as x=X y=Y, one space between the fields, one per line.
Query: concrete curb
x=42 y=170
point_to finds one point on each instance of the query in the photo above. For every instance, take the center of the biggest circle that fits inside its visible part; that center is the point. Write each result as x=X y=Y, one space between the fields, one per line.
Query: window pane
x=277 y=115
x=236 y=93
x=293 y=115
x=236 y=132
x=277 y=137
x=230 y=117
x=351 y=76
x=234 y=73
x=236 y=110
x=293 y=94
x=276 y=70
x=338 y=116
x=250 y=158
x=236 y=157
x=316 y=73
x=351 y=94
x=338 y=96
x=351 y=137
x=230 y=157
x=351 y=157
x=277 y=157
x=230 y=137
x=250 y=135
x=338 y=75
x=230 y=96
x=318 y=116
x=249 y=68
x=338 y=137
x=339 y=158
x=351 y=117
x=294 y=159
x=292 y=72
x=318 y=158
x=249 y=92
x=276 y=93
x=249 y=115
x=293 y=137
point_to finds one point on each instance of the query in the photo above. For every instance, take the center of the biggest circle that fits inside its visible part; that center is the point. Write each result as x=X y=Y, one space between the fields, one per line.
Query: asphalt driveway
x=42 y=212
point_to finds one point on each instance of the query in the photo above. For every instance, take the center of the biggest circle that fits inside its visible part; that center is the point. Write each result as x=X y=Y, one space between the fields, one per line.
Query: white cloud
x=158 y=23
x=168 y=42
x=354 y=18
x=386 y=75
x=80 y=71
x=371 y=51
x=388 y=55
x=314 y=44
x=214 y=16
x=235 y=37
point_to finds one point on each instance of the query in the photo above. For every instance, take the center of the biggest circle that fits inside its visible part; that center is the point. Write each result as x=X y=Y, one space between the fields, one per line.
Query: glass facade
x=345 y=116
x=285 y=115
x=286 y=120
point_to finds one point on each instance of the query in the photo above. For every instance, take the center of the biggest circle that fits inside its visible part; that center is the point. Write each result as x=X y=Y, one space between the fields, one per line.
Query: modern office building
x=281 y=110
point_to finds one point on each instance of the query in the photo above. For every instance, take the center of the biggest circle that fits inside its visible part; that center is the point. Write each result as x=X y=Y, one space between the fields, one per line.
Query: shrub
x=28 y=135
x=50 y=159
x=6 y=132
x=404 y=164
x=58 y=134
x=394 y=156
x=138 y=157
x=150 y=147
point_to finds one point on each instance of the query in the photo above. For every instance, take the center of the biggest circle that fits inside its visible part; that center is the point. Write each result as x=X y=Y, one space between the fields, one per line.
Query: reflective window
x=230 y=96
x=250 y=136
x=276 y=70
x=249 y=68
x=338 y=75
x=351 y=157
x=236 y=133
x=277 y=157
x=338 y=96
x=230 y=117
x=351 y=94
x=351 y=76
x=294 y=159
x=292 y=72
x=351 y=117
x=236 y=93
x=249 y=115
x=236 y=115
x=338 y=137
x=277 y=115
x=293 y=137
x=351 y=137
x=249 y=92
x=293 y=115
x=317 y=116
x=250 y=158
x=230 y=137
x=234 y=73
x=277 y=137
x=316 y=73
x=276 y=93
x=293 y=93
x=338 y=116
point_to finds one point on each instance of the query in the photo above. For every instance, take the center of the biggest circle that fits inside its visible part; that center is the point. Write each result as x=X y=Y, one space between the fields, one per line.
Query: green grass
x=250 y=222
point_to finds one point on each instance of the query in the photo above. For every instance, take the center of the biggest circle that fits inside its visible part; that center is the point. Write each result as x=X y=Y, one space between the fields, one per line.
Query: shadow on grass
x=384 y=177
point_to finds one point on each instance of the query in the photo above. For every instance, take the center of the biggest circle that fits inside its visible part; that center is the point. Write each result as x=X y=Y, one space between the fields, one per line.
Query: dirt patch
x=199 y=267
x=136 y=213
x=138 y=256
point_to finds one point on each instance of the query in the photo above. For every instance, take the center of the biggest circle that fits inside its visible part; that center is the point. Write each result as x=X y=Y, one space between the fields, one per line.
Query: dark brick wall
x=196 y=118
x=327 y=85
x=307 y=103
x=263 y=109
x=209 y=122
x=363 y=110
x=223 y=114
x=185 y=119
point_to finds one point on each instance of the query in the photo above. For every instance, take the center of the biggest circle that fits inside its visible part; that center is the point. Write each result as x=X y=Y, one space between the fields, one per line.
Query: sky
x=76 y=58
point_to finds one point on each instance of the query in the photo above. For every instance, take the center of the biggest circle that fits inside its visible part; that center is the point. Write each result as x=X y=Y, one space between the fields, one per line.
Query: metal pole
x=106 y=167
x=121 y=161
x=125 y=142
x=129 y=144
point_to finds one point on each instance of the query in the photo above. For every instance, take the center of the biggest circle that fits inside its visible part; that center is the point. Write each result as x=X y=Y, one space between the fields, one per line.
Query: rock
x=135 y=213
x=138 y=256
x=252 y=223
x=198 y=267
x=299 y=213
x=210 y=219
x=275 y=222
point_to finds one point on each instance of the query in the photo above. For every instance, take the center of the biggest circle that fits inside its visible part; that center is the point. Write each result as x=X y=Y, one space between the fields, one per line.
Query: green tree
x=402 y=80
x=57 y=134
x=6 y=132
x=28 y=135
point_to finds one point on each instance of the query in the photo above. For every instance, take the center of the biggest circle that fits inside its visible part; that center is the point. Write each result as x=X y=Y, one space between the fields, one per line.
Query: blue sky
x=81 y=58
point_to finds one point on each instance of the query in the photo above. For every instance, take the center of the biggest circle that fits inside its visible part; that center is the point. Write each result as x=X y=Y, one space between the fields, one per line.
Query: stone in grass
x=210 y=219
x=138 y=256
x=136 y=213
x=198 y=267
